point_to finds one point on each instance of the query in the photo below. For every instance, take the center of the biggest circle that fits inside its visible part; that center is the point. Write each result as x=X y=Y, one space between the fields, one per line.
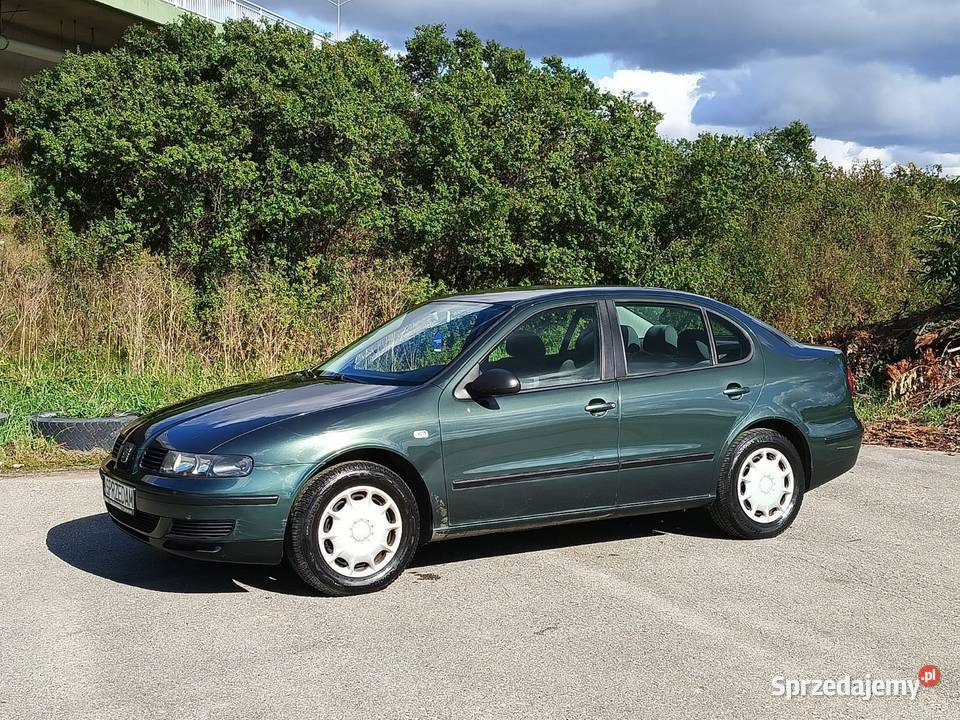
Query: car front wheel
x=353 y=529
x=760 y=487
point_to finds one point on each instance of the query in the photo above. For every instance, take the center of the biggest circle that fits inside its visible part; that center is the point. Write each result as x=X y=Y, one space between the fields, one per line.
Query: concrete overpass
x=34 y=34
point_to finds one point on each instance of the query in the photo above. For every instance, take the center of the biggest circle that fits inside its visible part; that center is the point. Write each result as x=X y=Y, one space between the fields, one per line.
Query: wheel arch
x=792 y=433
x=402 y=467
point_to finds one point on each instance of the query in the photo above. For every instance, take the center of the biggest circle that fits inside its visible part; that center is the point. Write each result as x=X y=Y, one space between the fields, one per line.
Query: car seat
x=526 y=354
x=693 y=345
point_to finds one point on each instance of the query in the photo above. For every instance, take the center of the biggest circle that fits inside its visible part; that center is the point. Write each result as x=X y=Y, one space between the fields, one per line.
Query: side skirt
x=566 y=518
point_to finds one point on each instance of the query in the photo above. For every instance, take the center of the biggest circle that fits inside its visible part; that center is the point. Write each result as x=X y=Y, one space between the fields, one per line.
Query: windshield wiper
x=334 y=376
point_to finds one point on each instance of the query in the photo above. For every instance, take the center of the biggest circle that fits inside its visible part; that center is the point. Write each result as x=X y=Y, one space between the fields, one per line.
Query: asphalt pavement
x=650 y=617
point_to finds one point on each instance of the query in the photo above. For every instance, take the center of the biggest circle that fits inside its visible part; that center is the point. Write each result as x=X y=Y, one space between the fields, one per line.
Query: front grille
x=153 y=458
x=139 y=521
x=116 y=447
x=196 y=529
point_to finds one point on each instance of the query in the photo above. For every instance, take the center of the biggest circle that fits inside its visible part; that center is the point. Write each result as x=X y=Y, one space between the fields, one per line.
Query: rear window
x=659 y=337
x=778 y=333
x=732 y=345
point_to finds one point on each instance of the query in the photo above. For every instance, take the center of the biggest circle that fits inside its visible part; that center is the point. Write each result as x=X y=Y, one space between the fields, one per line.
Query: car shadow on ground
x=694 y=523
x=94 y=545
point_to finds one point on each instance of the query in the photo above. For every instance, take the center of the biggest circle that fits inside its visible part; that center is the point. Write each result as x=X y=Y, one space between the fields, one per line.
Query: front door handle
x=599 y=407
x=735 y=391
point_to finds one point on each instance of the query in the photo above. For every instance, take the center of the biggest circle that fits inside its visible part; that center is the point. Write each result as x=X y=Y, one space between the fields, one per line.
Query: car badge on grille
x=126 y=451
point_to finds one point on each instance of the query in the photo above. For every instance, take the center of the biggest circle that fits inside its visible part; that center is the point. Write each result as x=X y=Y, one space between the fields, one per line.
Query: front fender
x=406 y=426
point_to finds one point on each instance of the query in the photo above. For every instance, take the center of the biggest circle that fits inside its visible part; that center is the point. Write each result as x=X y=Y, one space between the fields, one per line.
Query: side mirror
x=493 y=383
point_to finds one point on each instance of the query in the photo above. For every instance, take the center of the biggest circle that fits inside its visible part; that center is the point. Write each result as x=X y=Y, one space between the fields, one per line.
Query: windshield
x=413 y=347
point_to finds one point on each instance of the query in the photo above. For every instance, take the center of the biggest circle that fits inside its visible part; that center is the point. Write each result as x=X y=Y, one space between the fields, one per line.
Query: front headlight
x=181 y=464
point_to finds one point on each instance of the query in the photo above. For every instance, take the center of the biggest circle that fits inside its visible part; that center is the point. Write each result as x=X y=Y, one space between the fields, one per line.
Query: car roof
x=516 y=296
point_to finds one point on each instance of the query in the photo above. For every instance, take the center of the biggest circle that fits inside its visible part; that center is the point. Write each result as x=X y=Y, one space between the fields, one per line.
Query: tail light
x=851 y=380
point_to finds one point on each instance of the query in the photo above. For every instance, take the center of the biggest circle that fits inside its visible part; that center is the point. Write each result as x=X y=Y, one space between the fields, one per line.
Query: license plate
x=119 y=495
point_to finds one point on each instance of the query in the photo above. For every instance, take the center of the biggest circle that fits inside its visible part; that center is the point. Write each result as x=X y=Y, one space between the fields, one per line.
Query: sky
x=874 y=79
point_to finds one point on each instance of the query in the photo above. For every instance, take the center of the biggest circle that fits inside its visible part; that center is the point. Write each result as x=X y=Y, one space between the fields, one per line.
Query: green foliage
x=941 y=253
x=808 y=247
x=525 y=174
x=252 y=152
x=218 y=149
x=875 y=405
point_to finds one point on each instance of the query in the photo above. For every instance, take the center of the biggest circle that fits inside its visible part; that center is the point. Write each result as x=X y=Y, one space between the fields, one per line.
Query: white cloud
x=873 y=104
x=950 y=162
x=673 y=94
x=676 y=95
x=846 y=153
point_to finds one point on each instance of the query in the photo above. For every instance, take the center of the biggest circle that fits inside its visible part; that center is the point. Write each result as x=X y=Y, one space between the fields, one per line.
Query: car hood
x=203 y=423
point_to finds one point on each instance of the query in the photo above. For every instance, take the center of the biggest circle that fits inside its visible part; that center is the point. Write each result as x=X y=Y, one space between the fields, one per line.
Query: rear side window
x=662 y=337
x=732 y=345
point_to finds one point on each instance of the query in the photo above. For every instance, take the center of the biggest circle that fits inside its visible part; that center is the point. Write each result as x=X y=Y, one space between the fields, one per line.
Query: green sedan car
x=488 y=412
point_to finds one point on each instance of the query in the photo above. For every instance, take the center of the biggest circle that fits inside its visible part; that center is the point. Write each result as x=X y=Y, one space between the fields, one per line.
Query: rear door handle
x=735 y=391
x=599 y=407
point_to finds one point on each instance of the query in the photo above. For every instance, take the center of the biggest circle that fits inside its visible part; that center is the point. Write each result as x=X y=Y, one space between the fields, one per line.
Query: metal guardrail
x=220 y=11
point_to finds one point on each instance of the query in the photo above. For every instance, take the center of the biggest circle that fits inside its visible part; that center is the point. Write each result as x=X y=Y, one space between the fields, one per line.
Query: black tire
x=303 y=552
x=726 y=509
x=83 y=434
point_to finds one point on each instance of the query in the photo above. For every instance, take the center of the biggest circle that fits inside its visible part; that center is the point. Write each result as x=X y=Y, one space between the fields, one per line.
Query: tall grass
x=133 y=337
x=141 y=317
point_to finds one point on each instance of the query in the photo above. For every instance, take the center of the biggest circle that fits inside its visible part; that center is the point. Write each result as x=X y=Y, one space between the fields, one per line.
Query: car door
x=679 y=398
x=552 y=447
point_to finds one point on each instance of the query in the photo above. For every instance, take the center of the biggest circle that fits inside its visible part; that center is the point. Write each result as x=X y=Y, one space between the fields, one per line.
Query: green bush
x=940 y=253
x=251 y=152
x=221 y=150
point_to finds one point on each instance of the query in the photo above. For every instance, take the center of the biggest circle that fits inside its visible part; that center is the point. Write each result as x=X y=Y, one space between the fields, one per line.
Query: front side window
x=658 y=337
x=560 y=346
x=732 y=345
x=413 y=347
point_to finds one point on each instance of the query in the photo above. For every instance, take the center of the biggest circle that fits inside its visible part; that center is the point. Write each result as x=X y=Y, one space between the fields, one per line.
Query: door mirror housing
x=493 y=383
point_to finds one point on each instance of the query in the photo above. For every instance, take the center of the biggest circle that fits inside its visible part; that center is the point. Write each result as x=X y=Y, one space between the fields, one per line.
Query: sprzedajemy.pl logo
x=865 y=687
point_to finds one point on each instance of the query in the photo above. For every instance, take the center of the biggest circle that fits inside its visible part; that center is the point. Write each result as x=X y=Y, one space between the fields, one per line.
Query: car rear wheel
x=353 y=529
x=760 y=487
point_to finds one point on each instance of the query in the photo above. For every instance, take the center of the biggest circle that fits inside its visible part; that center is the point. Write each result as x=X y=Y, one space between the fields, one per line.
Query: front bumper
x=247 y=528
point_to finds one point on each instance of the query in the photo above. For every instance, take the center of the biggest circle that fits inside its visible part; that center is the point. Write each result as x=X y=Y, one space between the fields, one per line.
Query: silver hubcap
x=360 y=531
x=765 y=486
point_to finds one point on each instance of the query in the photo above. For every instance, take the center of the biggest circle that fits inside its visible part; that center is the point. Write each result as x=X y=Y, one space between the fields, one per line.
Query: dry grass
x=140 y=315
x=130 y=337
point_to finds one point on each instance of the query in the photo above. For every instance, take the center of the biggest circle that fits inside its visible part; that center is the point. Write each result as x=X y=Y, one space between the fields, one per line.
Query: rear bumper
x=218 y=527
x=834 y=455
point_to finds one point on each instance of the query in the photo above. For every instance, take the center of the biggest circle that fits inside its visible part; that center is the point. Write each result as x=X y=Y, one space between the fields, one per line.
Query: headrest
x=693 y=344
x=630 y=336
x=524 y=344
x=660 y=339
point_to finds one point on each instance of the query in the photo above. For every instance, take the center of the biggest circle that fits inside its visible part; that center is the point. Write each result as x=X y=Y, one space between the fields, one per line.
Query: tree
x=790 y=149
x=249 y=148
x=525 y=173
x=219 y=149
x=222 y=149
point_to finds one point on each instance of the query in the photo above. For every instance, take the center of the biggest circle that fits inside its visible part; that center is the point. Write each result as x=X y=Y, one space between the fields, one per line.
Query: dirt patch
x=908 y=434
